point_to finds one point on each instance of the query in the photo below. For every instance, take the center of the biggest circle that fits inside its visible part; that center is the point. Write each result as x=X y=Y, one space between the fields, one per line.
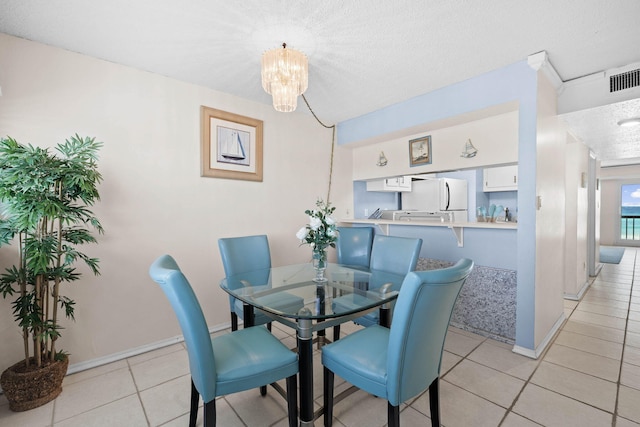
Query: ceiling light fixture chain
x=333 y=143
x=285 y=76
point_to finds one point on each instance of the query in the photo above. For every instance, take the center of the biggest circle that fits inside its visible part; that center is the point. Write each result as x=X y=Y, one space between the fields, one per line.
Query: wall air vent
x=624 y=81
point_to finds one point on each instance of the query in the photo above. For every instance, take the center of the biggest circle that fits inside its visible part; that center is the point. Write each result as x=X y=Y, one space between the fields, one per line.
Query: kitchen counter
x=487 y=302
x=498 y=225
x=456 y=227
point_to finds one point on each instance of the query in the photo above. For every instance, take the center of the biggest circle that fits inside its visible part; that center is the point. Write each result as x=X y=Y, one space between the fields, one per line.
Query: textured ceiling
x=363 y=54
x=612 y=144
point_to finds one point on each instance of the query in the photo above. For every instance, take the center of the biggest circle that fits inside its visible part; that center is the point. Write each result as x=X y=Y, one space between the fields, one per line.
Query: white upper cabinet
x=503 y=178
x=400 y=183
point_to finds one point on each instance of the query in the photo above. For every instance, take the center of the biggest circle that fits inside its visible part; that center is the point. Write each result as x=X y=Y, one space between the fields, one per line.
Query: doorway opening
x=630 y=212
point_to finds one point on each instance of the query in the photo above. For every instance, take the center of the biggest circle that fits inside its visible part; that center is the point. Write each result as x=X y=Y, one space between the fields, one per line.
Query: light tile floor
x=589 y=376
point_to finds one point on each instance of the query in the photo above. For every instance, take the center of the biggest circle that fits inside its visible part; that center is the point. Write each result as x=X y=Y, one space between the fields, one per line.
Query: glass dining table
x=360 y=292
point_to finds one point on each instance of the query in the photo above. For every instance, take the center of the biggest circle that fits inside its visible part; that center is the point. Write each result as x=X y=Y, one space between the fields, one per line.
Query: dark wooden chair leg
x=210 y=413
x=269 y=326
x=328 y=397
x=336 y=333
x=193 y=411
x=234 y=321
x=434 y=402
x=292 y=400
x=393 y=414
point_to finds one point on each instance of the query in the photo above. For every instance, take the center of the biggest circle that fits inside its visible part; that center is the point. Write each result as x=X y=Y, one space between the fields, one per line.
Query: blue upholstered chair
x=390 y=254
x=401 y=362
x=245 y=254
x=393 y=254
x=230 y=363
x=353 y=247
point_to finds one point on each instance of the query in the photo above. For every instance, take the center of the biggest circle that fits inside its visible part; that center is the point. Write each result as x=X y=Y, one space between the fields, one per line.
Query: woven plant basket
x=28 y=390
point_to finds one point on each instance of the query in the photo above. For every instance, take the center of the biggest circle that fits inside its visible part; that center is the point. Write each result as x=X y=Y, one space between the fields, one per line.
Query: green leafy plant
x=45 y=199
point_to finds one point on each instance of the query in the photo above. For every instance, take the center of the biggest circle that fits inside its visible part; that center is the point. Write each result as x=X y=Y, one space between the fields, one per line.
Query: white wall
x=495 y=138
x=576 y=212
x=550 y=216
x=153 y=198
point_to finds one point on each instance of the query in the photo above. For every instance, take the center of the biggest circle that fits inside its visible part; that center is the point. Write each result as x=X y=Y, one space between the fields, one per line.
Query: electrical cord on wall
x=333 y=140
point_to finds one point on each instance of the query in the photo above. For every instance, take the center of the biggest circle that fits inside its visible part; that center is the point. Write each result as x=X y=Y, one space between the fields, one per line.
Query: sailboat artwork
x=420 y=151
x=232 y=146
x=469 y=150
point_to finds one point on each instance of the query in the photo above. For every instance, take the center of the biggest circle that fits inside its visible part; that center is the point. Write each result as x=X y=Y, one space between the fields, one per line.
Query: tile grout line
x=55 y=401
x=233 y=409
x=53 y=411
x=528 y=380
x=542 y=356
x=624 y=340
x=441 y=378
x=135 y=384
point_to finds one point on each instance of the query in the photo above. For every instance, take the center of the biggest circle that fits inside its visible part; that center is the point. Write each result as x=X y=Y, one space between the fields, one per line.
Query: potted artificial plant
x=44 y=199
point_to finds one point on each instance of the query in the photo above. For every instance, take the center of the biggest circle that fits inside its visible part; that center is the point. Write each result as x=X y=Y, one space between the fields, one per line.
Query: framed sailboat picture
x=231 y=145
x=420 y=151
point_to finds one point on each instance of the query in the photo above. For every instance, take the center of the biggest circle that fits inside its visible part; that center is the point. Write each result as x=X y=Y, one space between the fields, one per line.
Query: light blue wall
x=368 y=201
x=372 y=200
x=507 y=199
x=516 y=82
x=486 y=247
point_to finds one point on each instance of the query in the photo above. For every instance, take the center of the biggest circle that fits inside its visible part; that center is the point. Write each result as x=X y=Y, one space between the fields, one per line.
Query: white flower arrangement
x=321 y=231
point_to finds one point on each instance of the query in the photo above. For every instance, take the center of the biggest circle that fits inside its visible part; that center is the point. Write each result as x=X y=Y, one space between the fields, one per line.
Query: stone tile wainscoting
x=487 y=302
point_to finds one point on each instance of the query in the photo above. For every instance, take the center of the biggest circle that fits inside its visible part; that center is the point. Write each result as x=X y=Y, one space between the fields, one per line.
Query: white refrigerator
x=438 y=195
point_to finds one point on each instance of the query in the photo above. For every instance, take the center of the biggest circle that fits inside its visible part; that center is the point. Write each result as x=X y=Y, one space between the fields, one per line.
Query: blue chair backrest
x=354 y=246
x=395 y=254
x=243 y=254
x=420 y=321
x=167 y=274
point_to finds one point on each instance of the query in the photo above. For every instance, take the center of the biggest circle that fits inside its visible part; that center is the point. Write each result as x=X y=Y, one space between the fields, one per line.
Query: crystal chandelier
x=285 y=76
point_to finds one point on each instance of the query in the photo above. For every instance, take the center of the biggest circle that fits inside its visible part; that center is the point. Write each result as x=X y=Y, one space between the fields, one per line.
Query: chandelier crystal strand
x=285 y=76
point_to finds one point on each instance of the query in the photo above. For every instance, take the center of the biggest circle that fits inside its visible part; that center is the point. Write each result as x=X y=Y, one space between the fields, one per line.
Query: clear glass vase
x=320 y=264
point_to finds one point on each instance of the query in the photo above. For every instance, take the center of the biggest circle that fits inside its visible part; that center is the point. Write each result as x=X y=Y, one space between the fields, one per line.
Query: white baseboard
x=94 y=363
x=578 y=296
x=105 y=360
x=535 y=353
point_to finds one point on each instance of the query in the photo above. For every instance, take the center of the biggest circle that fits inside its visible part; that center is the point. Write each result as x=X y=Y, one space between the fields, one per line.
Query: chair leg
x=328 y=397
x=292 y=400
x=195 y=399
x=336 y=333
x=234 y=321
x=393 y=414
x=210 y=413
x=434 y=402
x=263 y=390
x=269 y=326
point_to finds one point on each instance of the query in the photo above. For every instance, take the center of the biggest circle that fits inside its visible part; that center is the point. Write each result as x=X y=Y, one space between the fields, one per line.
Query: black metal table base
x=304 y=337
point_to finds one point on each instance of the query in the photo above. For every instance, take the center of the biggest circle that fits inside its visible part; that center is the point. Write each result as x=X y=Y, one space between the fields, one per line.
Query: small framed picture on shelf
x=231 y=145
x=420 y=151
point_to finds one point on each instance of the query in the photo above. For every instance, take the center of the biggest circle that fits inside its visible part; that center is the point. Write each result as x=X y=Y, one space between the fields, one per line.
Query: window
x=630 y=212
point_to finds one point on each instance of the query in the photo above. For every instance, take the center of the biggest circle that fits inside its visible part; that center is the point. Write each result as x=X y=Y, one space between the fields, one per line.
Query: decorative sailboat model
x=382 y=160
x=469 y=150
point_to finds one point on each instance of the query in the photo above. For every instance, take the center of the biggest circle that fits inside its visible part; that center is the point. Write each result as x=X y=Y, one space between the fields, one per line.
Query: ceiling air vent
x=624 y=81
